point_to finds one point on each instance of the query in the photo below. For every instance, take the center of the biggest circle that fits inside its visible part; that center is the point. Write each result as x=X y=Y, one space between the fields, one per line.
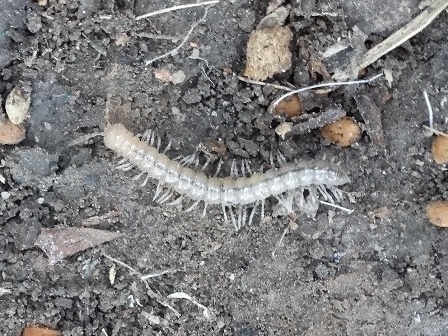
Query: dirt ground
x=381 y=270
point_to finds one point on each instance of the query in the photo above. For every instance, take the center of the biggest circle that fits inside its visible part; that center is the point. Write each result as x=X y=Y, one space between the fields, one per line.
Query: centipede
x=295 y=185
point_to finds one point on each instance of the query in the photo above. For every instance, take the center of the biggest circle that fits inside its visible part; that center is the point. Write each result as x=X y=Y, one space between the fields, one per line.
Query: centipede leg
x=167 y=148
x=252 y=213
x=165 y=197
x=218 y=168
x=194 y=205
x=158 y=190
x=262 y=209
x=232 y=216
x=224 y=212
x=205 y=209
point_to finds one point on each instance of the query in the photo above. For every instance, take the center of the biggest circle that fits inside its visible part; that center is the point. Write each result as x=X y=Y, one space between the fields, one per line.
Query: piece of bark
x=371 y=114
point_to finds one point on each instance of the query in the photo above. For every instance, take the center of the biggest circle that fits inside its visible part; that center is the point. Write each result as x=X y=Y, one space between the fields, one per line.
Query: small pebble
x=11 y=134
x=343 y=132
x=40 y=200
x=437 y=213
x=440 y=149
x=5 y=195
x=17 y=105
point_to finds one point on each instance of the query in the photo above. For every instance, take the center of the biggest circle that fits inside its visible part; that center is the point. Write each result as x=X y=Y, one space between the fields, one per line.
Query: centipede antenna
x=167 y=148
x=252 y=213
x=158 y=190
x=194 y=205
x=218 y=168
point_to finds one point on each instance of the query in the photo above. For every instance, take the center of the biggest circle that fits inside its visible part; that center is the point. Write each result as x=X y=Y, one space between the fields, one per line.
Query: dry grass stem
x=174 y=8
x=251 y=81
x=181 y=43
x=275 y=103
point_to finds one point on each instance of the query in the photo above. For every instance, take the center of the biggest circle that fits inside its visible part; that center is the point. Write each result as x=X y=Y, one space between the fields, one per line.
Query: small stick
x=170 y=9
x=83 y=139
x=275 y=103
x=321 y=120
x=251 y=81
x=183 y=41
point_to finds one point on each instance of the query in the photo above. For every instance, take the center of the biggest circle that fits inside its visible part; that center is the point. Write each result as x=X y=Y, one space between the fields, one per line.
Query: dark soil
x=382 y=270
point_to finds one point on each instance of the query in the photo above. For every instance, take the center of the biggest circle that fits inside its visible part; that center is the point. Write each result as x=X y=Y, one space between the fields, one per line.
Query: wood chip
x=437 y=213
x=371 y=114
x=268 y=52
x=40 y=331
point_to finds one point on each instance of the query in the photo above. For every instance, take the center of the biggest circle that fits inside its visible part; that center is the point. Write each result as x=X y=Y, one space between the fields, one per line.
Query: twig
x=275 y=103
x=150 y=290
x=183 y=41
x=170 y=9
x=153 y=275
x=412 y=28
x=433 y=130
x=83 y=139
x=251 y=81
x=321 y=120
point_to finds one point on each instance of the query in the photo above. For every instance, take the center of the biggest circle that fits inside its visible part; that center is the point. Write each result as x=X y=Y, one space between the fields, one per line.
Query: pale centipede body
x=228 y=191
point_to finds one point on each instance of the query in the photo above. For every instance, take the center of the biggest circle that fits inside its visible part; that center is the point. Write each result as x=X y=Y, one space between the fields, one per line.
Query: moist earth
x=380 y=270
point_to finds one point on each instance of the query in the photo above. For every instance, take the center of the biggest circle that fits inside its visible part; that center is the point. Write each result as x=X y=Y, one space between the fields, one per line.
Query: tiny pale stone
x=17 y=105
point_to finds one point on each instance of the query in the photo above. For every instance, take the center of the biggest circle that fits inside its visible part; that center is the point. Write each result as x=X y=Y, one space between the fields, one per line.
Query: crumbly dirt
x=382 y=270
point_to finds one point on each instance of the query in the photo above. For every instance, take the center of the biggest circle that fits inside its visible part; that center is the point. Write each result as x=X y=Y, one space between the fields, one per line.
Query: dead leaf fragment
x=11 y=134
x=437 y=213
x=343 y=132
x=40 y=331
x=439 y=149
x=268 y=52
x=17 y=104
x=60 y=243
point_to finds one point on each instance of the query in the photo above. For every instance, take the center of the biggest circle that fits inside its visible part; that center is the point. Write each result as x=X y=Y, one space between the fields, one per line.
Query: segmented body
x=227 y=191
